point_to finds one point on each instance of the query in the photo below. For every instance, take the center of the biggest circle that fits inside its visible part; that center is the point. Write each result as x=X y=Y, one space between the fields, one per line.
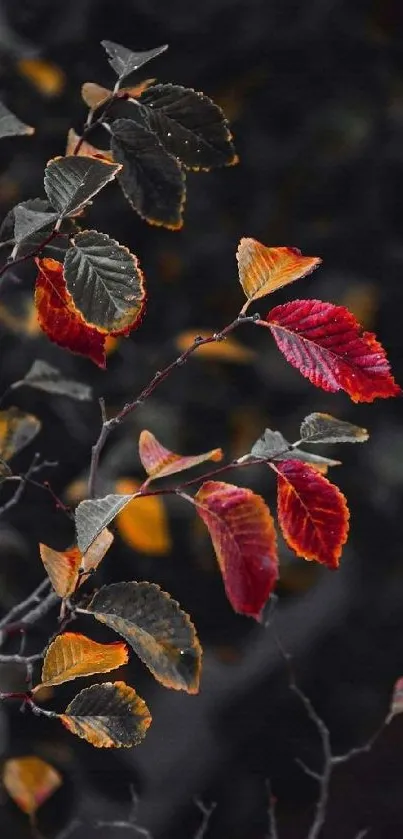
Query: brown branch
x=159 y=377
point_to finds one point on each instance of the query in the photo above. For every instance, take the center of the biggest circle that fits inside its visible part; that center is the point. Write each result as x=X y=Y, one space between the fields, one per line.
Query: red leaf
x=326 y=344
x=312 y=512
x=59 y=318
x=242 y=530
x=160 y=462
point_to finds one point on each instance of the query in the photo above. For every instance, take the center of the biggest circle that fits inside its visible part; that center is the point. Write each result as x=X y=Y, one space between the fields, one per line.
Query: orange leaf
x=263 y=270
x=227 y=350
x=107 y=715
x=48 y=78
x=30 y=781
x=143 y=524
x=71 y=655
x=94 y=94
x=160 y=462
x=62 y=568
x=59 y=318
x=85 y=147
x=312 y=512
x=242 y=531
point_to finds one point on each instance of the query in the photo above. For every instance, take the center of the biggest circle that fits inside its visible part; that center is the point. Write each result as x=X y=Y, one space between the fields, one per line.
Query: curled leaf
x=72 y=655
x=312 y=513
x=62 y=568
x=108 y=715
x=59 y=318
x=263 y=270
x=242 y=531
x=161 y=634
x=160 y=462
x=325 y=343
x=30 y=781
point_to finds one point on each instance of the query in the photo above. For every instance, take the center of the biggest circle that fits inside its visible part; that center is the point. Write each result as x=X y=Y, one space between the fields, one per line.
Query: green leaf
x=10 y=125
x=93 y=515
x=108 y=715
x=151 y=179
x=71 y=182
x=323 y=428
x=161 y=634
x=105 y=281
x=124 y=61
x=43 y=376
x=189 y=125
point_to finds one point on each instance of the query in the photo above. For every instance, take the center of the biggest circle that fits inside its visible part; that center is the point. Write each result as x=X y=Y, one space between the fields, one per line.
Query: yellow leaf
x=107 y=715
x=45 y=76
x=30 y=781
x=263 y=270
x=143 y=523
x=71 y=655
x=227 y=350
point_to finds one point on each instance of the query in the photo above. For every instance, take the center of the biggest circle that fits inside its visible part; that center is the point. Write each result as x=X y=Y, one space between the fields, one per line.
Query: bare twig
x=12 y=262
x=158 y=378
x=206 y=812
x=34 y=597
x=273 y=834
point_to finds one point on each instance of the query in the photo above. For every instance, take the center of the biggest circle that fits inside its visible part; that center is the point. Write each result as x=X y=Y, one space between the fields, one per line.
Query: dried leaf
x=263 y=270
x=160 y=462
x=71 y=182
x=108 y=715
x=105 y=282
x=17 y=430
x=95 y=553
x=227 y=350
x=72 y=655
x=323 y=428
x=62 y=568
x=142 y=523
x=242 y=531
x=189 y=125
x=152 y=180
x=30 y=781
x=324 y=342
x=312 y=513
x=161 y=634
x=95 y=95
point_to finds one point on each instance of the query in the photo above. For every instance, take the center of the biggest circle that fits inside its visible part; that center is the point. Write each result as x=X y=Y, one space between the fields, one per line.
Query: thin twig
x=34 y=597
x=12 y=262
x=159 y=377
x=206 y=812
x=273 y=834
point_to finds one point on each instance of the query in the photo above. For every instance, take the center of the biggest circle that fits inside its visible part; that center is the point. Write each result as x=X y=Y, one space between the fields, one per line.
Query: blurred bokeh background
x=314 y=94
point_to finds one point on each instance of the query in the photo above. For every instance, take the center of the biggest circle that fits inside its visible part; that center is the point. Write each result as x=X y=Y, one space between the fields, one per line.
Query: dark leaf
x=161 y=634
x=43 y=376
x=273 y=446
x=29 y=223
x=107 y=715
x=152 y=180
x=93 y=515
x=10 y=125
x=70 y=182
x=125 y=61
x=190 y=126
x=105 y=282
x=17 y=429
x=323 y=428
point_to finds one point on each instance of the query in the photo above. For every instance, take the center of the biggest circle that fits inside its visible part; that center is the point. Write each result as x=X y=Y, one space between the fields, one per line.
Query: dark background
x=314 y=93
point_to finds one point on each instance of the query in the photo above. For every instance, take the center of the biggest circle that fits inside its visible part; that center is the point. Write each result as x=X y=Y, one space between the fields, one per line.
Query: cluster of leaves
x=95 y=289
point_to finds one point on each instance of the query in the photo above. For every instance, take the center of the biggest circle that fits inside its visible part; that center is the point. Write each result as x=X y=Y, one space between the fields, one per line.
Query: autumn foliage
x=96 y=291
